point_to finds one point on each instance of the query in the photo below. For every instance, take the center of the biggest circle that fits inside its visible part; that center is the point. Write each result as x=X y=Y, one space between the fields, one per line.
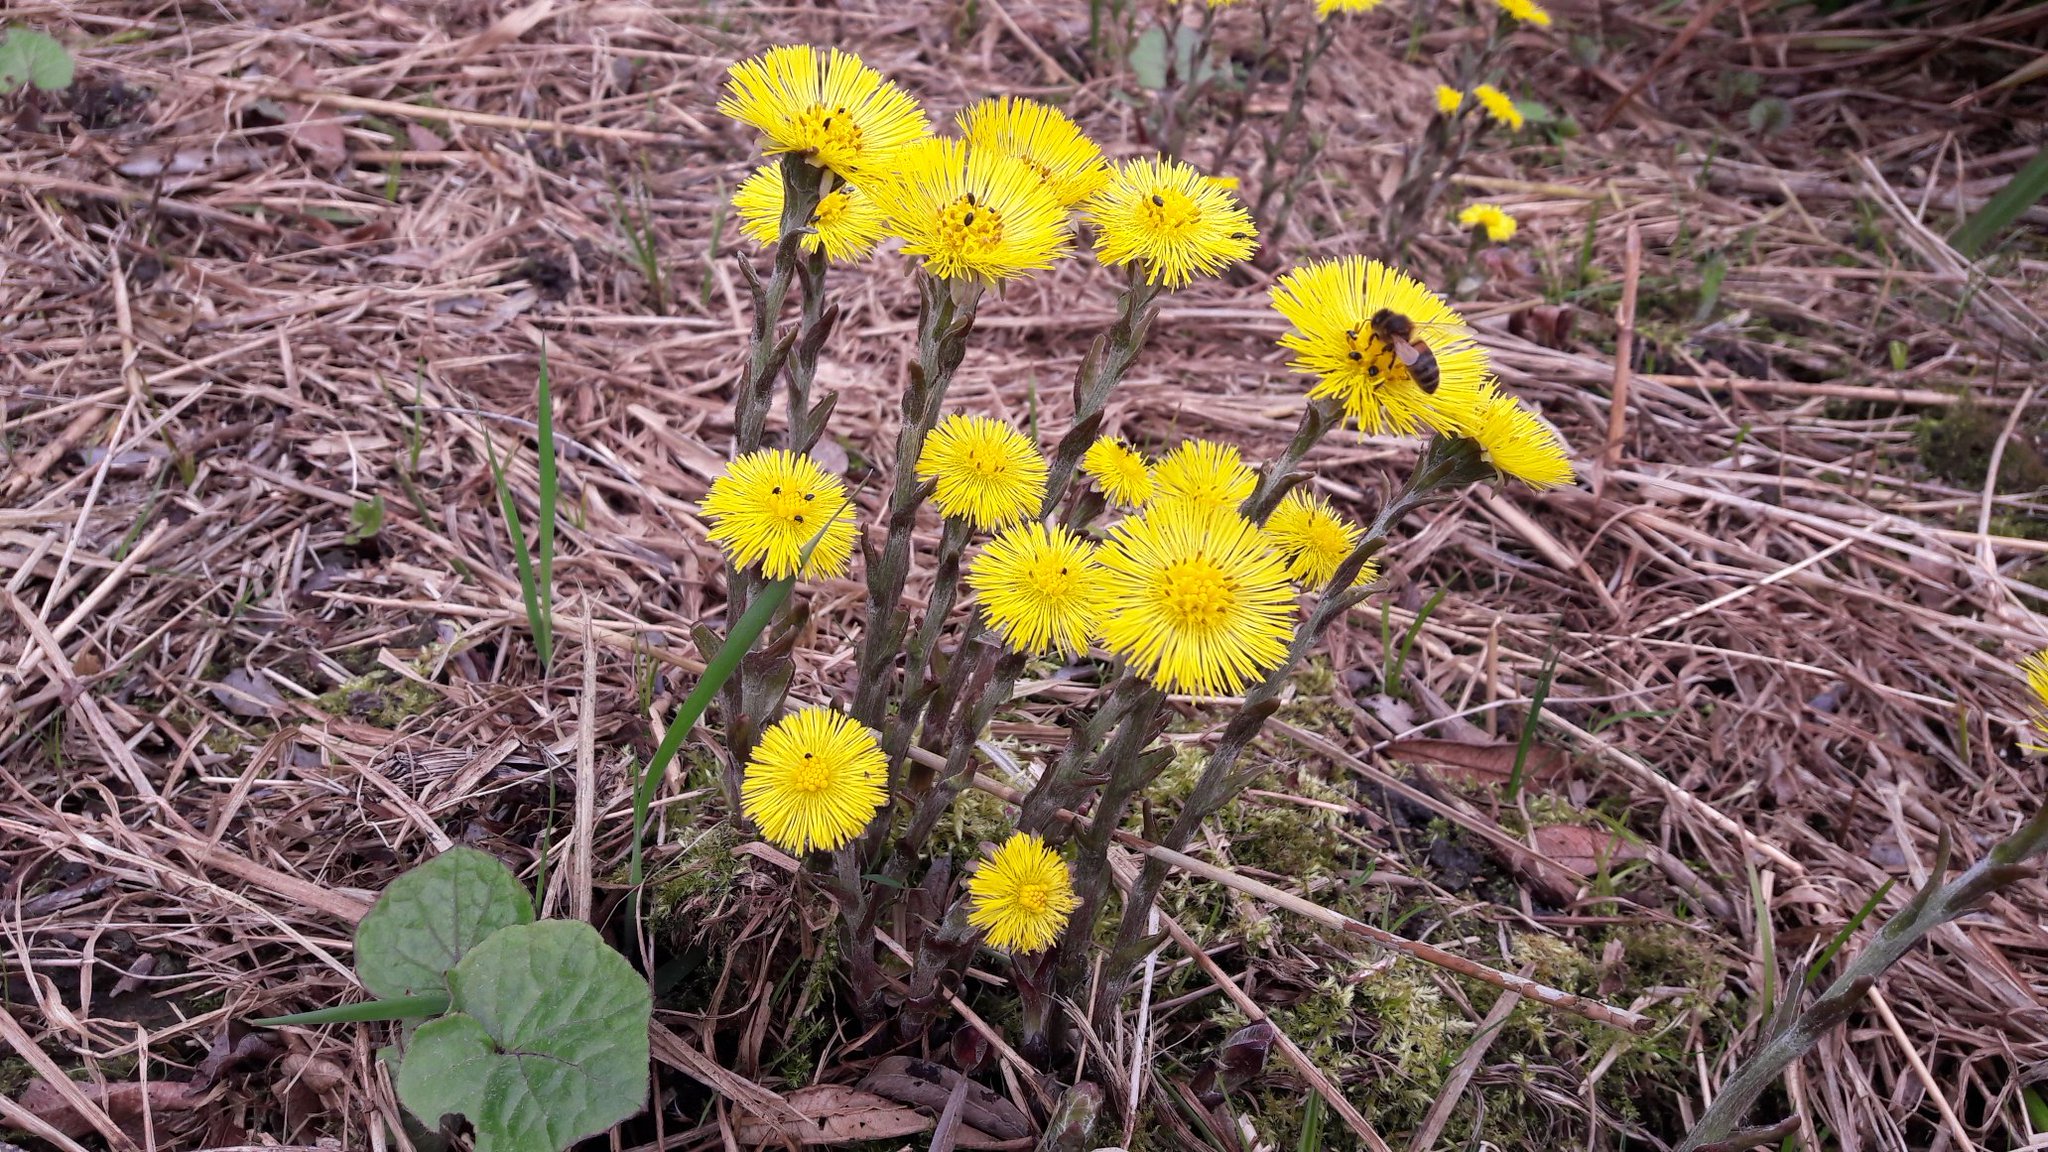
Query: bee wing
x=1406 y=353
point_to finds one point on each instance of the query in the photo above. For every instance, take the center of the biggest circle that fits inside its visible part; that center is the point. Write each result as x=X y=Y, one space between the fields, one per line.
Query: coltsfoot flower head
x=768 y=506
x=1021 y=896
x=1119 y=470
x=987 y=472
x=1449 y=100
x=825 y=105
x=1040 y=587
x=1198 y=602
x=1498 y=225
x=1333 y=306
x=1174 y=221
x=1204 y=474
x=1499 y=107
x=973 y=214
x=1040 y=135
x=1325 y=7
x=1517 y=441
x=847 y=222
x=1526 y=12
x=815 y=780
x=2035 y=669
x=1314 y=540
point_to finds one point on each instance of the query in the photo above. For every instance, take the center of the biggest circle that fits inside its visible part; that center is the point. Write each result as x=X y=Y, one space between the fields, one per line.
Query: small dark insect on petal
x=1357 y=355
x=799 y=517
x=967 y=221
x=1158 y=201
x=810 y=495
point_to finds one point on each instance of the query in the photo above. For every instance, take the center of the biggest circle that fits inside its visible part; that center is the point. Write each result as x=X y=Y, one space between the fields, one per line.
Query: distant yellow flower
x=1170 y=218
x=1499 y=107
x=1325 y=7
x=1021 y=896
x=1525 y=12
x=988 y=474
x=1518 y=442
x=1493 y=218
x=1332 y=305
x=1314 y=539
x=848 y=223
x=1449 y=100
x=1197 y=600
x=814 y=781
x=1226 y=183
x=824 y=105
x=1119 y=470
x=973 y=214
x=769 y=504
x=2035 y=669
x=1040 y=135
x=1040 y=587
x=1204 y=473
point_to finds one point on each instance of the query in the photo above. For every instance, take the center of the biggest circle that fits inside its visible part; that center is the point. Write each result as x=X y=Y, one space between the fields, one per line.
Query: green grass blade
x=1408 y=641
x=1535 y=717
x=550 y=488
x=398 y=1008
x=2027 y=187
x=521 y=556
x=1814 y=970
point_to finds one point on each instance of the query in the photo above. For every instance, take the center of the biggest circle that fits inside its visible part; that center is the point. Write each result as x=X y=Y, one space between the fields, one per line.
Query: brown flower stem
x=766 y=346
x=942 y=952
x=919 y=686
x=1317 y=418
x=1277 y=143
x=1126 y=768
x=814 y=327
x=1446 y=465
x=1108 y=359
x=945 y=316
x=1063 y=785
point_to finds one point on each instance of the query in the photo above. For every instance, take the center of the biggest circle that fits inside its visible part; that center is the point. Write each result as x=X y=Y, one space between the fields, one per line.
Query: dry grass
x=226 y=726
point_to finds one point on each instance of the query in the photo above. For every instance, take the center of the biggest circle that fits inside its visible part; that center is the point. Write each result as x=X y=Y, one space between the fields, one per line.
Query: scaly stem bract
x=802 y=185
x=1101 y=370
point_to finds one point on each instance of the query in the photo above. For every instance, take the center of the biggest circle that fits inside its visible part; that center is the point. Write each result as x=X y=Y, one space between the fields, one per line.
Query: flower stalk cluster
x=1180 y=580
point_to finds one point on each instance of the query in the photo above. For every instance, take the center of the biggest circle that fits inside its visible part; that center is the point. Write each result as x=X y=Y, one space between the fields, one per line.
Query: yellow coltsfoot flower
x=987 y=472
x=1498 y=225
x=1040 y=588
x=2035 y=669
x=1499 y=107
x=847 y=223
x=1372 y=335
x=1021 y=896
x=770 y=504
x=1448 y=100
x=1525 y=12
x=1204 y=474
x=1120 y=471
x=814 y=781
x=1174 y=221
x=1325 y=7
x=1306 y=531
x=973 y=214
x=825 y=105
x=1517 y=442
x=1040 y=135
x=1198 y=602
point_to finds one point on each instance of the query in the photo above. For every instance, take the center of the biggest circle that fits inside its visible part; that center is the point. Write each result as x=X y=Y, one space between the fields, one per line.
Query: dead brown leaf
x=123 y=1103
x=1583 y=849
x=1483 y=764
x=842 y=1115
x=315 y=130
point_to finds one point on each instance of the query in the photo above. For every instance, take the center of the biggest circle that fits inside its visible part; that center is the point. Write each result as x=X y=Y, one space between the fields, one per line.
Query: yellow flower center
x=1326 y=540
x=970 y=231
x=812 y=776
x=833 y=209
x=1197 y=596
x=829 y=129
x=791 y=505
x=1376 y=360
x=987 y=461
x=1169 y=210
x=1053 y=578
x=1034 y=896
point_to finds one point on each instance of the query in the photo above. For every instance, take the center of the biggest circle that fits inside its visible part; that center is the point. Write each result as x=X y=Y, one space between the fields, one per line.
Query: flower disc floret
x=1069 y=163
x=770 y=504
x=814 y=781
x=1204 y=474
x=825 y=105
x=1314 y=539
x=1021 y=896
x=1119 y=470
x=1040 y=588
x=1173 y=221
x=1499 y=107
x=1517 y=441
x=973 y=214
x=1489 y=218
x=847 y=222
x=1331 y=305
x=987 y=472
x=1198 y=602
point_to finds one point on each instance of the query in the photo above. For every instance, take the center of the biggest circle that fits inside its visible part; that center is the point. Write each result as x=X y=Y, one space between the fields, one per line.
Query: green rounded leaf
x=547 y=1044
x=30 y=57
x=429 y=919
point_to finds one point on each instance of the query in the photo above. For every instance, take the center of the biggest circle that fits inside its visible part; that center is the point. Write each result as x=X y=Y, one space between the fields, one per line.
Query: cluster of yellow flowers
x=1182 y=587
